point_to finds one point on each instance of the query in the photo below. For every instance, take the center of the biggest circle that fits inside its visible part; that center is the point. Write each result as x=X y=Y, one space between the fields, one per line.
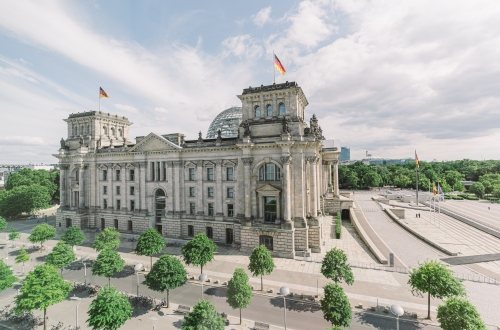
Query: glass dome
x=227 y=121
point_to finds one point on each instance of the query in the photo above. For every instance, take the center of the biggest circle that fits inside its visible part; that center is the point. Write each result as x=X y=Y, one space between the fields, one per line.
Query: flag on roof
x=102 y=93
x=277 y=64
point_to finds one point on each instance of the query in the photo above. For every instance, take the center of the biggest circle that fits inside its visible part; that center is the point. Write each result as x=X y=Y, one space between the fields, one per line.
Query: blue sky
x=383 y=76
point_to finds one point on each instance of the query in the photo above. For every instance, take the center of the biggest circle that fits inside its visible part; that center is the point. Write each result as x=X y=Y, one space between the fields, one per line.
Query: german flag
x=102 y=93
x=417 y=162
x=277 y=64
x=434 y=189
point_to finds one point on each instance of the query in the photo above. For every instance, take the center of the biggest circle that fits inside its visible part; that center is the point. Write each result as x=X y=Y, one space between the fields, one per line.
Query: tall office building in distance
x=345 y=154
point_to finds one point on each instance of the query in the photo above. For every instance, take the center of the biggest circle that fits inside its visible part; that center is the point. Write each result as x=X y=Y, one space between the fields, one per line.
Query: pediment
x=154 y=142
x=268 y=188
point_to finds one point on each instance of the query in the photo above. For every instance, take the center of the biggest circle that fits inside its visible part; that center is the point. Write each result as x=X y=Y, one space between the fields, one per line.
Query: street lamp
x=154 y=319
x=78 y=299
x=137 y=269
x=284 y=291
x=397 y=311
x=202 y=278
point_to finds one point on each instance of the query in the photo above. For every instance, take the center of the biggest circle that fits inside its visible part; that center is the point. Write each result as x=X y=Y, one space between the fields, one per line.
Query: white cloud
x=263 y=16
x=21 y=141
x=126 y=108
x=242 y=46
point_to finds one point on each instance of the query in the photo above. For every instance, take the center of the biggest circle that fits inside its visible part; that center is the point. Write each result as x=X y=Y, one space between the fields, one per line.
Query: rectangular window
x=230 y=192
x=229 y=236
x=192 y=208
x=210 y=191
x=118 y=204
x=190 y=230
x=230 y=210
x=164 y=170
x=210 y=232
x=192 y=191
x=116 y=223
x=131 y=175
x=210 y=209
x=210 y=174
x=191 y=174
x=105 y=175
x=118 y=190
x=118 y=175
x=103 y=223
x=230 y=173
x=267 y=241
x=270 y=208
x=68 y=222
x=104 y=203
x=132 y=191
x=129 y=225
x=104 y=190
x=132 y=205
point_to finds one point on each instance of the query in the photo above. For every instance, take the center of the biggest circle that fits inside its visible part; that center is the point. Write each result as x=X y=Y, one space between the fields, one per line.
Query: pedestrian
x=488 y=208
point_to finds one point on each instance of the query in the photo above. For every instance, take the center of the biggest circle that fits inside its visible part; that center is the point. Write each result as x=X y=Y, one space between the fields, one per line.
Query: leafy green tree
x=3 y=223
x=335 y=306
x=199 y=251
x=166 y=274
x=6 y=276
x=436 y=280
x=454 y=179
x=42 y=233
x=61 y=256
x=261 y=263
x=13 y=235
x=458 y=313
x=42 y=288
x=24 y=199
x=203 y=316
x=29 y=177
x=371 y=179
x=107 y=264
x=22 y=257
x=150 y=243
x=478 y=189
x=73 y=236
x=109 y=310
x=335 y=267
x=109 y=238
x=239 y=291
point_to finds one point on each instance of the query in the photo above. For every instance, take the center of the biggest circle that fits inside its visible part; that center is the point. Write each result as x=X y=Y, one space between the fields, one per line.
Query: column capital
x=247 y=160
x=286 y=159
x=312 y=159
x=335 y=162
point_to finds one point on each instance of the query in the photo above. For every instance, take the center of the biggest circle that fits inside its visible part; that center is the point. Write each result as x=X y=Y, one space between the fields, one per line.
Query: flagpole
x=417 y=184
x=274 y=69
x=99 y=102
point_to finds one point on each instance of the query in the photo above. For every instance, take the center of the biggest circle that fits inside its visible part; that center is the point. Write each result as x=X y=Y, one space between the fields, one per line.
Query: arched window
x=87 y=129
x=269 y=109
x=112 y=131
x=257 y=111
x=281 y=107
x=75 y=130
x=105 y=130
x=120 y=132
x=269 y=172
x=160 y=203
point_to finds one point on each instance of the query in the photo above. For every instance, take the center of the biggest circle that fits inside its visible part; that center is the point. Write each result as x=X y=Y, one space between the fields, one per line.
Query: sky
x=390 y=77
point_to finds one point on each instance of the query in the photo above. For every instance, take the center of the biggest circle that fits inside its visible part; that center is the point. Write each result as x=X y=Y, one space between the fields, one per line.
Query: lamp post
x=84 y=271
x=137 y=269
x=284 y=291
x=202 y=278
x=78 y=299
x=397 y=311
x=154 y=319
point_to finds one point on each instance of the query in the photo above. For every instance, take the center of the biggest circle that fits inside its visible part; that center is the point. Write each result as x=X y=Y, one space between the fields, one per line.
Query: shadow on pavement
x=296 y=305
x=383 y=321
x=178 y=324
x=216 y=292
x=126 y=272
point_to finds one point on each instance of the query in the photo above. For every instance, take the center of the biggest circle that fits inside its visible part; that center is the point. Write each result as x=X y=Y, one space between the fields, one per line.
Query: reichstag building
x=260 y=176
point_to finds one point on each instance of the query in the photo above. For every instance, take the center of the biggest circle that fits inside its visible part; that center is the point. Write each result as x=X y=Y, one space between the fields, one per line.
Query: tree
x=42 y=288
x=436 y=280
x=3 y=223
x=42 y=233
x=458 y=313
x=13 y=235
x=336 y=267
x=239 y=291
x=150 y=243
x=24 y=199
x=61 y=256
x=6 y=276
x=203 y=316
x=109 y=238
x=335 y=306
x=261 y=263
x=109 y=310
x=73 y=236
x=107 y=264
x=166 y=274
x=199 y=251
x=23 y=256
x=478 y=189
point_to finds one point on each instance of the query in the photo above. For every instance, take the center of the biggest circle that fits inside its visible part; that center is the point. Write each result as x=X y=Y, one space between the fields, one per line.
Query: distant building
x=345 y=154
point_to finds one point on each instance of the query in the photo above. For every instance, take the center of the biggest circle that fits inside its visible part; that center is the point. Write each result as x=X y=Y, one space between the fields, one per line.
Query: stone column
x=62 y=184
x=177 y=193
x=182 y=194
x=330 y=179
x=336 y=177
x=218 y=190
x=111 y=192
x=313 y=191
x=123 y=189
x=81 y=190
x=143 y=166
x=247 y=162
x=170 y=207
x=287 y=209
x=199 y=191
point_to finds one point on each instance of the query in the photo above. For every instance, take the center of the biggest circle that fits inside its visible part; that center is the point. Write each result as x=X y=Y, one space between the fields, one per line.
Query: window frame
x=267 y=241
x=210 y=209
x=269 y=110
x=228 y=194
x=230 y=173
x=210 y=174
x=209 y=231
x=210 y=192
x=230 y=210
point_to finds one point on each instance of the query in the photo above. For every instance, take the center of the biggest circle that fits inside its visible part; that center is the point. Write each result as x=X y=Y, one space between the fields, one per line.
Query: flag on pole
x=417 y=162
x=440 y=190
x=434 y=189
x=277 y=64
x=102 y=93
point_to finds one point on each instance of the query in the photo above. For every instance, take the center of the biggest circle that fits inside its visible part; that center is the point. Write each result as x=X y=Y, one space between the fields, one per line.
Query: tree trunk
x=202 y=269
x=109 y=281
x=168 y=300
x=45 y=319
x=61 y=272
x=429 y=305
x=261 y=284
x=240 y=316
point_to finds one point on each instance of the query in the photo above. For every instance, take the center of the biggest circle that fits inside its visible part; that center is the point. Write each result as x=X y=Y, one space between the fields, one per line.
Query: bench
x=261 y=326
x=181 y=309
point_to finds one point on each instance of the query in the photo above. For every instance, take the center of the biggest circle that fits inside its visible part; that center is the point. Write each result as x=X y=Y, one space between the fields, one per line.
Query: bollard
x=391 y=259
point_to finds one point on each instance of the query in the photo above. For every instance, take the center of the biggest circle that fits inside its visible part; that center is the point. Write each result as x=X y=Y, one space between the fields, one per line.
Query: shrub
x=338 y=226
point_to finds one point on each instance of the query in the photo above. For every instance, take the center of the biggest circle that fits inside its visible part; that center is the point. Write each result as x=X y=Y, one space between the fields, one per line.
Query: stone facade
x=267 y=185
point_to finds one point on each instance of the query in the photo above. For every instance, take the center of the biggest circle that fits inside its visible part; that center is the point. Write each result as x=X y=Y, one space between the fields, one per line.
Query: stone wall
x=314 y=233
x=301 y=239
x=283 y=242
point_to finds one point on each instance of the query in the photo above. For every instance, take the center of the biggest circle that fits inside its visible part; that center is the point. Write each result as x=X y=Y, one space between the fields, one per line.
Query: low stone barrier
x=369 y=236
